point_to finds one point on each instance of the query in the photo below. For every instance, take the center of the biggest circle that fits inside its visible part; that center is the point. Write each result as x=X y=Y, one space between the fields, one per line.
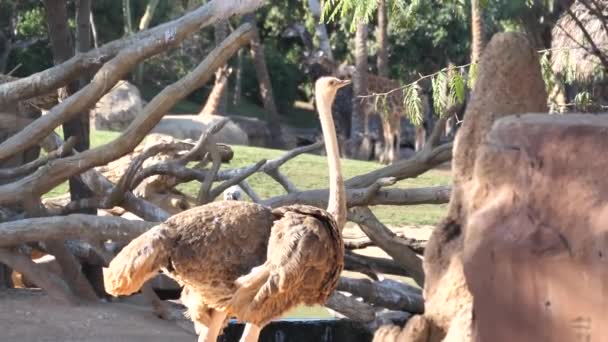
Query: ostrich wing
x=304 y=261
x=305 y=250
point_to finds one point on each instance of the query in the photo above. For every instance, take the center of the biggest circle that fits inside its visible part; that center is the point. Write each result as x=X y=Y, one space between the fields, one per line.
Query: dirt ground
x=30 y=316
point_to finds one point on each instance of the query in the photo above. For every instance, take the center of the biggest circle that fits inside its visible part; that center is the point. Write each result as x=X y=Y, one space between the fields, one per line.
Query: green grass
x=310 y=172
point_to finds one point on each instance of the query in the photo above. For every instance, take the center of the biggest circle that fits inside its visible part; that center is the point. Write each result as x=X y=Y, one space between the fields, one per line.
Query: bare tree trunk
x=382 y=37
x=359 y=126
x=144 y=23
x=321 y=30
x=93 y=30
x=63 y=49
x=478 y=39
x=259 y=60
x=238 y=80
x=126 y=12
x=221 y=32
x=5 y=49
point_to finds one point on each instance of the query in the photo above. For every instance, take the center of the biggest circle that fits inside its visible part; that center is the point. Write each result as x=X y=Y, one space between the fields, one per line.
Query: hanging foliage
x=413 y=104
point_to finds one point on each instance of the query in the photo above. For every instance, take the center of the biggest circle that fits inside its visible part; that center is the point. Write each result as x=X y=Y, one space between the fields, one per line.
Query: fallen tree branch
x=76 y=226
x=250 y=192
x=173 y=32
x=387 y=293
x=376 y=264
x=353 y=265
x=71 y=270
x=32 y=166
x=422 y=161
x=366 y=196
x=59 y=170
x=99 y=184
x=351 y=307
x=238 y=178
x=417 y=246
x=204 y=194
x=384 y=238
x=272 y=167
x=50 y=282
x=124 y=183
x=198 y=148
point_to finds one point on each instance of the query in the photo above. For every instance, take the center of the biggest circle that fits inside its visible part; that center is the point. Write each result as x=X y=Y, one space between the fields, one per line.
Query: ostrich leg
x=251 y=333
x=214 y=328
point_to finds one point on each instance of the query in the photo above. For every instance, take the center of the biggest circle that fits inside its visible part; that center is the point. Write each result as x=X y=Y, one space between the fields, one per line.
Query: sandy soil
x=30 y=316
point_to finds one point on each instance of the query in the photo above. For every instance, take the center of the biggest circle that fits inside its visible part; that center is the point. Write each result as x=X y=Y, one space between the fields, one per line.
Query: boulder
x=117 y=109
x=509 y=82
x=536 y=244
x=256 y=130
x=192 y=126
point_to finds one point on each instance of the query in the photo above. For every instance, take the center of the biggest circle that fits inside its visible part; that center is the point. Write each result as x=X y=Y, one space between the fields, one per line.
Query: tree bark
x=359 y=125
x=126 y=12
x=144 y=23
x=169 y=33
x=220 y=30
x=63 y=49
x=52 y=175
x=259 y=61
x=478 y=38
x=321 y=29
x=382 y=37
x=93 y=30
x=238 y=79
x=134 y=50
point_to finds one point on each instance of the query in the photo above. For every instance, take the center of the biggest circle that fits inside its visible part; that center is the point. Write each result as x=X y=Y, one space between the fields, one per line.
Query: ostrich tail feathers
x=139 y=261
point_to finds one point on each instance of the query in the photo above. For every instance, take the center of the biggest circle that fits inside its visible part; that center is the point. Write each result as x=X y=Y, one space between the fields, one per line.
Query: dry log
x=365 y=196
x=71 y=270
x=385 y=239
x=272 y=167
x=355 y=261
x=172 y=32
x=430 y=156
x=364 y=242
x=204 y=192
x=387 y=293
x=99 y=184
x=250 y=192
x=351 y=307
x=59 y=170
x=32 y=166
x=77 y=226
x=55 y=286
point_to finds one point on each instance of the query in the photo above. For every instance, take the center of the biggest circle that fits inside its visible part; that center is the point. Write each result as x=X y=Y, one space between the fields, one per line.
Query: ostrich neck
x=337 y=193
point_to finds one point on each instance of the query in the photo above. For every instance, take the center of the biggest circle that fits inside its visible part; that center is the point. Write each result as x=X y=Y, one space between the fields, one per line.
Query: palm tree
x=478 y=36
x=382 y=37
x=360 y=147
x=259 y=61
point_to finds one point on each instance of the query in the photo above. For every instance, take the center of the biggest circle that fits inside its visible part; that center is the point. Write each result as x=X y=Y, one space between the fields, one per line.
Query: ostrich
x=243 y=259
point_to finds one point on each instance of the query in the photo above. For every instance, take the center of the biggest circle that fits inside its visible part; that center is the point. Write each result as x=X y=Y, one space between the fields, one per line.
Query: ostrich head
x=327 y=87
x=233 y=193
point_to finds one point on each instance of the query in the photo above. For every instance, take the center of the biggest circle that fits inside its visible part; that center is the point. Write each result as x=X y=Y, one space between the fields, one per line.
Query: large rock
x=509 y=82
x=117 y=109
x=536 y=244
x=192 y=126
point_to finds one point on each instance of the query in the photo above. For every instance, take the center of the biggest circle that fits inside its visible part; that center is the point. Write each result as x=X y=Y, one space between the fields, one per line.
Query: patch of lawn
x=310 y=172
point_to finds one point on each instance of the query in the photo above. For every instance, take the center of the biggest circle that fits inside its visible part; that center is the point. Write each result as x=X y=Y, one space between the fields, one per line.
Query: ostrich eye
x=332 y=83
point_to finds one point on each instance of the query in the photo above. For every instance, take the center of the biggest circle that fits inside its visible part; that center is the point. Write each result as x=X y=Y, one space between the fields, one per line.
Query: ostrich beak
x=343 y=83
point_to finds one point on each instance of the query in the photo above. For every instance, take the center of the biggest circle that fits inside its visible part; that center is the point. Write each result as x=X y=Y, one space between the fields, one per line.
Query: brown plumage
x=243 y=259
